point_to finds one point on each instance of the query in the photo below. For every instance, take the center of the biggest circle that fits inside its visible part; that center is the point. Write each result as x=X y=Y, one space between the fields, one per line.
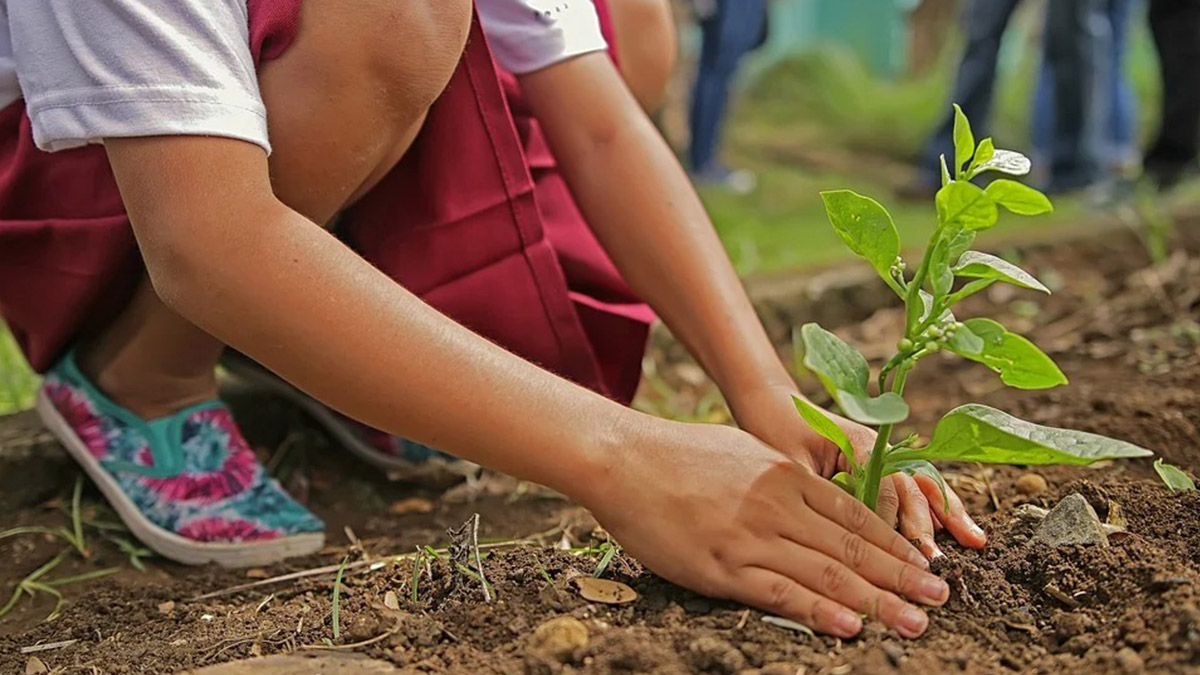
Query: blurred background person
x=1076 y=34
x=730 y=29
x=1175 y=25
x=1114 y=153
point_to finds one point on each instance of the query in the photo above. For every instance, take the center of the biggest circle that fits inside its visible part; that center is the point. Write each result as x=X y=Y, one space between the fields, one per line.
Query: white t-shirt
x=89 y=69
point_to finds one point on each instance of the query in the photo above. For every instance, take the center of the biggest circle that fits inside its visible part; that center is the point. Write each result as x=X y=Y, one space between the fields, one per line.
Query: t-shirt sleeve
x=529 y=35
x=90 y=69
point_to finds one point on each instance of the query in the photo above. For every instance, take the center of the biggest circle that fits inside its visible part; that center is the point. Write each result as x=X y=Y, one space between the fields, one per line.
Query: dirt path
x=1128 y=340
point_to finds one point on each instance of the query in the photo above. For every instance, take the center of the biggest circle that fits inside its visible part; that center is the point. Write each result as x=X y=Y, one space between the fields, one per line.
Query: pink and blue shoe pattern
x=188 y=485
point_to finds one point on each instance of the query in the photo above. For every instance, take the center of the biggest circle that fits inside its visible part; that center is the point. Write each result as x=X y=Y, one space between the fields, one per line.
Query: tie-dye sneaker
x=188 y=486
x=404 y=459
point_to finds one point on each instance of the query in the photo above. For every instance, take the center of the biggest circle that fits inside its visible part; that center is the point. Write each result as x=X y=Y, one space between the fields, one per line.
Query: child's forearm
x=265 y=280
x=642 y=207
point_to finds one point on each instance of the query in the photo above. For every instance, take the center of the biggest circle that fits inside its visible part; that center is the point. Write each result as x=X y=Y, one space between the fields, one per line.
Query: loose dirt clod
x=714 y=655
x=1032 y=484
x=560 y=637
x=1072 y=521
x=1129 y=661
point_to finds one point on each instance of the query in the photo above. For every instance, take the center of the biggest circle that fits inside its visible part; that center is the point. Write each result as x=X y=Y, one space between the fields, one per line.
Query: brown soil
x=1127 y=338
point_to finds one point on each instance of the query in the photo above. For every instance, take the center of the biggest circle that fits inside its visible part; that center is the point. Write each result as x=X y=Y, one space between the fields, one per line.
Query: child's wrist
x=605 y=443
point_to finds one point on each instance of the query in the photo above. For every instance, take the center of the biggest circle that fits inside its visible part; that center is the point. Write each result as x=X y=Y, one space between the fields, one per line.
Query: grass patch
x=18 y=384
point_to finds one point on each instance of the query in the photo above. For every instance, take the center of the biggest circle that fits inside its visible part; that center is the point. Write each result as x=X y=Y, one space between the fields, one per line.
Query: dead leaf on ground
x=35 y=666
x=411 y=505
x=391 y=601
x=604 y=591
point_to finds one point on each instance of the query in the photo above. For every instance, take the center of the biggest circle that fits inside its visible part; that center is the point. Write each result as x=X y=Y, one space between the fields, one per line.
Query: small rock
x=781 y=669
x=1072 y=521
x=1129 y=661
x=35 y=666
x=166 y=607
x=1032 y=484
x=1030 y=512
x=711 y=654
x=560 y=637
x=1069 y=624
x=894 y=653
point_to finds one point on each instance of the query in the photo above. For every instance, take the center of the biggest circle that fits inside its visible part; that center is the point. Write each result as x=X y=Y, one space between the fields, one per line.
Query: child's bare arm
x=737 y=520
x=644 y=210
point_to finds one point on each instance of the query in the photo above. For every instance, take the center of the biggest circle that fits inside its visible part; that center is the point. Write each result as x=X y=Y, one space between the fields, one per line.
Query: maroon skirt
x=475 y=219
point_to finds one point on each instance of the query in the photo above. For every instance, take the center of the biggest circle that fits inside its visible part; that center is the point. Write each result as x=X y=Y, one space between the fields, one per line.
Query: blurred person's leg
x=1117 y=124
x=647 y=47
x=1079 y=58
x=984 y=23
x=731 y=32
x=1176 y=28
x=1123 y=149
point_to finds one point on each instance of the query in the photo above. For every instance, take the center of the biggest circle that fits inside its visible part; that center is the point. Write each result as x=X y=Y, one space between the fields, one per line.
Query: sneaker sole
x=251 y=373
x=164 y=542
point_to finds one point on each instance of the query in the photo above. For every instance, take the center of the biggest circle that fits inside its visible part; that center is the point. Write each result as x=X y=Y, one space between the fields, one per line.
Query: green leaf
x=984 y=266
x=821 y=424
x=844 y=373
x=1018 y=361
x=1018 y=197
x=949 y=246
x=966 y=342
x=913 y=467
x=866 y=227
x=946 y=178
x=927 y=307
x=962 y=205
x=964 y=140
x=844 y=481
x=1006 y=161
x=977 y=433
x=1173 y=477
x=985 y=152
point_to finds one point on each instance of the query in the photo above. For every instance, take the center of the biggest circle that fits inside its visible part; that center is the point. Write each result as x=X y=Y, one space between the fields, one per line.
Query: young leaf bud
x=933 y=347
x=904 y=345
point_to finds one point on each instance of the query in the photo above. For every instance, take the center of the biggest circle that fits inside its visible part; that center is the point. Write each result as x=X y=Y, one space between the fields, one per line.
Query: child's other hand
x=714 y=509
x=914 y=505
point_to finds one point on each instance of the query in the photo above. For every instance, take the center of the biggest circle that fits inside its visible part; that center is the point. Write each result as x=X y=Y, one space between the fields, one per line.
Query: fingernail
x=913 y=621
x=934 y=589
x=931 y=549
x=975 y=529
x=917 y=558
x=847 y=624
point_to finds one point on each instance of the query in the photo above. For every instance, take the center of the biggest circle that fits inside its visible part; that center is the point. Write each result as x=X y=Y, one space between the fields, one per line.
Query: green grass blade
x=337 y=600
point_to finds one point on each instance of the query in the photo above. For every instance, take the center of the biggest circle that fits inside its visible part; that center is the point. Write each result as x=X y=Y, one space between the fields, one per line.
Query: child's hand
x=912 y=504
x=714 y=509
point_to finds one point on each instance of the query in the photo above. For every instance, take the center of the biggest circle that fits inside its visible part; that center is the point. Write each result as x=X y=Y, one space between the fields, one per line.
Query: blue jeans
x=732 y=32
x=1070 y=51
x=1115 y=106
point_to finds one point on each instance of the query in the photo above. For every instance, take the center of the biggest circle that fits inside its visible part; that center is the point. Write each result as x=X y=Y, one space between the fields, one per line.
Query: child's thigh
x=348 y=97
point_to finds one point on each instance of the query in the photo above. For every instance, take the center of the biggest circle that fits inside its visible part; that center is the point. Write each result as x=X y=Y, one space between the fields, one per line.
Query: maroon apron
x=476 y=220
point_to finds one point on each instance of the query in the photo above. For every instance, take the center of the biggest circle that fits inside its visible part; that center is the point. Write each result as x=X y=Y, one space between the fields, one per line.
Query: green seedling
x=418 y=561
x=336 y=617
x=1173 y=477
x=35 y=583
x=949 y=273
x=73 y=536
x=610 y=551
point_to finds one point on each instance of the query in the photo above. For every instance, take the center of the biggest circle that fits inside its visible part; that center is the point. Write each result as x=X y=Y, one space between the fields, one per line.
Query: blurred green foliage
x=17 y=382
